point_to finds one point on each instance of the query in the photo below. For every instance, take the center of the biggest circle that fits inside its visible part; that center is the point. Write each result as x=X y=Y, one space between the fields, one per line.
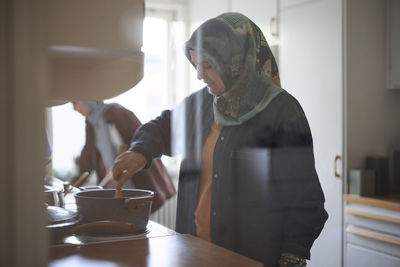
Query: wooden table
x=165 y=251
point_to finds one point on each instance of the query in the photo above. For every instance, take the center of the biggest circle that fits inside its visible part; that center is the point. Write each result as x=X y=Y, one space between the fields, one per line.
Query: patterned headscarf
x=236 y=48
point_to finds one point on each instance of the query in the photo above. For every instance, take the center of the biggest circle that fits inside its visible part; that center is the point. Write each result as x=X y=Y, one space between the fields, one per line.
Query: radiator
x=166 y=214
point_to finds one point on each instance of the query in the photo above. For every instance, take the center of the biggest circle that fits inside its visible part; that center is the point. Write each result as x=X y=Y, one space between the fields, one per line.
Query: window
x=164 y=84
x=164 y=75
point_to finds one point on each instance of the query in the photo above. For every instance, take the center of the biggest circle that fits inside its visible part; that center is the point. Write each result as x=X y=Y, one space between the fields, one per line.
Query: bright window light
x=158 y=90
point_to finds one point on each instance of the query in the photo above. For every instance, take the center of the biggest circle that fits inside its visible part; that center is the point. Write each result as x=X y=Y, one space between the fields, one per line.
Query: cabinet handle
x=273 y=30
x=335 y=165
x=372 y=215
x=372 y=235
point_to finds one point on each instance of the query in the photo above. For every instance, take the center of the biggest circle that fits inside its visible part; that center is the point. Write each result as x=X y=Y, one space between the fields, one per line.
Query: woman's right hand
x=126 y=165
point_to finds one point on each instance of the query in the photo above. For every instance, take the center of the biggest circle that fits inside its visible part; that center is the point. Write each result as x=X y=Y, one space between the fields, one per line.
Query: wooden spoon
x=122 y=149
x=81 y=179
x=68 y=188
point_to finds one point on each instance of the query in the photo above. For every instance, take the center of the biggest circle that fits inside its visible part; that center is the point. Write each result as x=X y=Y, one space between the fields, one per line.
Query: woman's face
x=208 y=74
x=81 y=108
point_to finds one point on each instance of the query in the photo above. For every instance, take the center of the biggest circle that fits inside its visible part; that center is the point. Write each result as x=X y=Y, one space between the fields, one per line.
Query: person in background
x=107 y=127
x=247 y=179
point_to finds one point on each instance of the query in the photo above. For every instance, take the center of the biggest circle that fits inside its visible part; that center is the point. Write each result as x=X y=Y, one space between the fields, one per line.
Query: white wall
x=200 y=11
x=372 y=110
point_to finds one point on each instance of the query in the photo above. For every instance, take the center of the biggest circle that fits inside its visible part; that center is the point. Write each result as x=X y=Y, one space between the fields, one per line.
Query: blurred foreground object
x=97 y=54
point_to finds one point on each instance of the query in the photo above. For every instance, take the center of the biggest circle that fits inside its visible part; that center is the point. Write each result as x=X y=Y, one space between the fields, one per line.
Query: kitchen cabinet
x=264 y=13
x=337 y=70
x=311 y=69
x=393 y=46
x=200 y=11
x=372 y=126
x=372 y=231
x=367 y=238
x=359 y=256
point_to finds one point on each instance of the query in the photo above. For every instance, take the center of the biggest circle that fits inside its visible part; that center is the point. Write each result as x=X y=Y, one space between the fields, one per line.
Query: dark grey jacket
x=266 y=196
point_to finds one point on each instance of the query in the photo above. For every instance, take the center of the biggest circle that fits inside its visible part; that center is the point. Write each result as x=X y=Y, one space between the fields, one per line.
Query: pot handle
x=104 y=227
x=135 y=203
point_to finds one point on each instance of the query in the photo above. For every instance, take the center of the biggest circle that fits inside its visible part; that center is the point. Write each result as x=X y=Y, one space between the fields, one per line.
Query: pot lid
x=59 y=215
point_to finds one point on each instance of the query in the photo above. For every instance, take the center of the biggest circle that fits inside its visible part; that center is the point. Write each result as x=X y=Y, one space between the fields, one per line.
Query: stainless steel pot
x=55 y=189
x=101 y=212
x=54 y=197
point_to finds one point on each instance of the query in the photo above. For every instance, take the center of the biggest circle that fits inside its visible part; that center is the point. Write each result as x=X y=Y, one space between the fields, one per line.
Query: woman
x=107 y=127
x=247 y=179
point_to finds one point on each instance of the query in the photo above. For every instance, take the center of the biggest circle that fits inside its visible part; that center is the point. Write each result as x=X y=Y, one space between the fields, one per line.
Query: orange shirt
x=203 y=209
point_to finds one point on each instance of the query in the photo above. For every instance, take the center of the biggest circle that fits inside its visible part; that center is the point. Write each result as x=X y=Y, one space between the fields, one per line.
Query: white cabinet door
x=199 y=12
x=359 y=256
x=202 y=10
x=261 y=12
x=311 y=66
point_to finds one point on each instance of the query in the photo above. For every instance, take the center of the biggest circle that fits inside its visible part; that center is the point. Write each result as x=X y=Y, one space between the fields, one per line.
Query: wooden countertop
x=166 y=251
x=391 y=202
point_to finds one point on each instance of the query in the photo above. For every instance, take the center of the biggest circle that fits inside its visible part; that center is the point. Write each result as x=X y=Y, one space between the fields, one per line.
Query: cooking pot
x=54 y=196
x=101 y=212
x=60 y=223
x=55 y=189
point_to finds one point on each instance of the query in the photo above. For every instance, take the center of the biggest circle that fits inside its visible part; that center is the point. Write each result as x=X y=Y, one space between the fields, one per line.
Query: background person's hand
x=126 y=165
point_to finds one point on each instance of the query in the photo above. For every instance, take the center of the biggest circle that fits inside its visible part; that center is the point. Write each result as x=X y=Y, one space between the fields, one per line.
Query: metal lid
x=59 y=215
